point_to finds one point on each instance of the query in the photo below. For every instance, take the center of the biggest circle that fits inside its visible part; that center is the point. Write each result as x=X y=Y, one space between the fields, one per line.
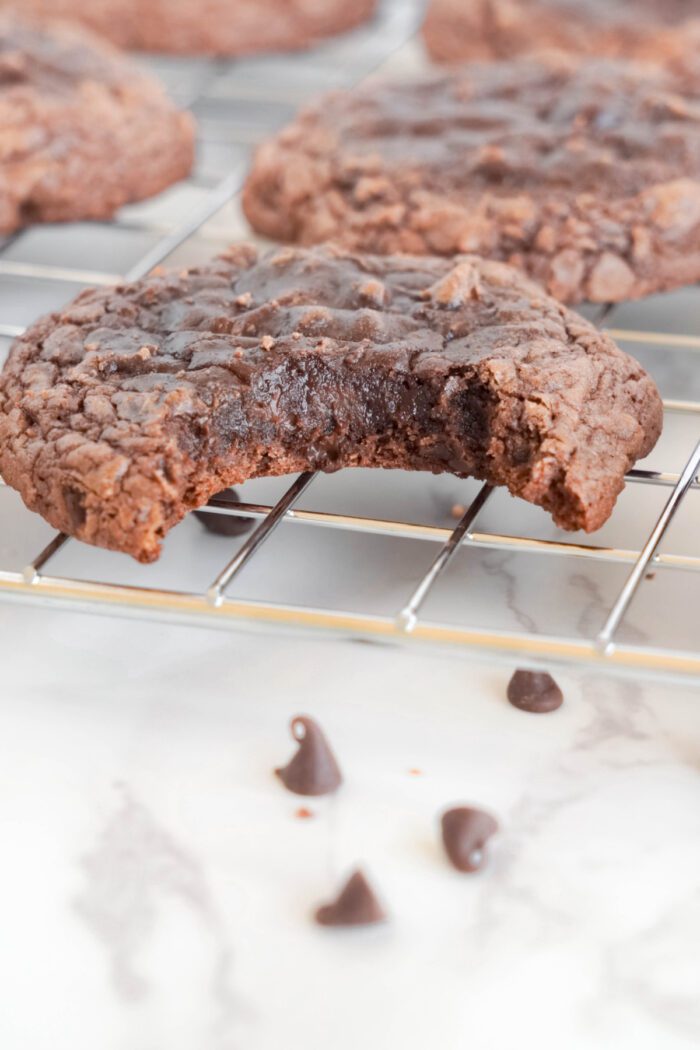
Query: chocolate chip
x=313 y=770
x=355 y=905
x=225 y=524
x=465 y=832
x=75 y=506
x=534 y=691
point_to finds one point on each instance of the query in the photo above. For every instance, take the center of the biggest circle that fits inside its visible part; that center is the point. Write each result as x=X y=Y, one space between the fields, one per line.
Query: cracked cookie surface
x=655 y=30
x=584 y=174
x=82 y=130
x=135 y=404
x=214 y=27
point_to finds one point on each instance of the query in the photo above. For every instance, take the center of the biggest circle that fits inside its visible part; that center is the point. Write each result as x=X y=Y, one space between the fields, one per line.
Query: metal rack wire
x=218 y=91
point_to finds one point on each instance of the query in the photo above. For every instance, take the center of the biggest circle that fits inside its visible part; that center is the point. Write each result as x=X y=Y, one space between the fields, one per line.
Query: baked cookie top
x=217 y=27
x=456 y=30
x=82 y=130
x=135 y=404
x=584 y=173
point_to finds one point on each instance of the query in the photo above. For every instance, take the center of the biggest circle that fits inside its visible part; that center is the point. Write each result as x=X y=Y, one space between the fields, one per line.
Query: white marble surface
x=156 y=886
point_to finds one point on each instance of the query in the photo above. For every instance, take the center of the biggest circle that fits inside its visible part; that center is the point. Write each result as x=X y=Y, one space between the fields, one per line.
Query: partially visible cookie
x=586 y=174
x=135 y=404
x=82 y=130
x=459 y=30
x=215 y=27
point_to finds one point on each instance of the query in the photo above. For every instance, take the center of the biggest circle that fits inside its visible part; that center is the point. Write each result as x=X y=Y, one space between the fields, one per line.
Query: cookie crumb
x=457 y=287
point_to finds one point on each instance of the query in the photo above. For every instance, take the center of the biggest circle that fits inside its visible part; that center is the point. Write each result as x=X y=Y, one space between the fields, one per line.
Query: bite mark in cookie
x=135 y=404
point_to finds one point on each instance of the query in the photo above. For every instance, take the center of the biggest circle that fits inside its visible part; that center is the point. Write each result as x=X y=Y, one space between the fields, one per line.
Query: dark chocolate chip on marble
x=355 y=905
x=225 y=524
x=313 y=770
x=465 y=832
x=534 y=691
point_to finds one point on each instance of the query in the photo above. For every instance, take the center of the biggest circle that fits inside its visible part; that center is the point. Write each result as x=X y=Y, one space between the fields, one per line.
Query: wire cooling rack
x=404 y=558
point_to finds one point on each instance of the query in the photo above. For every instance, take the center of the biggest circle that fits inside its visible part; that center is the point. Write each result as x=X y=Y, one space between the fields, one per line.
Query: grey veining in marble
x=157 y=886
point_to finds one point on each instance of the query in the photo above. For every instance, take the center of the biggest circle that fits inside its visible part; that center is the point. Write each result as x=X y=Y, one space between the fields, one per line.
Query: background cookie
x=135 y=404
x=456 y=30
x=584 y=173
x=219 y=27
x=82 y=131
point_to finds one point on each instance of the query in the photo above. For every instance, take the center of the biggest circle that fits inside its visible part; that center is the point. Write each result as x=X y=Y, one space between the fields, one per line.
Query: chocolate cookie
x=459 y=30
x=82 y=131
x=584 y=174
x=135 y=404
x=214 y=27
